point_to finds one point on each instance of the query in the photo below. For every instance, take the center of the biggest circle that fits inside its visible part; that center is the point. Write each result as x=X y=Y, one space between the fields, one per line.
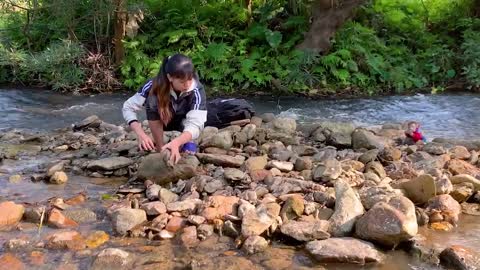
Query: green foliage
x=471 y=52
x=57 y=66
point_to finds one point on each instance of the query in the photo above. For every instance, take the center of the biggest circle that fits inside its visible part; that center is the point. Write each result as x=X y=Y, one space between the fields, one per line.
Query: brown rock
x=222 y=160
x=445 y=205
x=348 y=208
x=66 y=240
x=11 y=214
x=189 y=236
x=219 y=206
x=255 y=244
x=458 y=257
x=306 y=231
x=420 y=189
x=9 y=262
x=353 y=164
x=58 y=220
x=456 y=166
x=154 y=208
x=257 y=221
x=292 y=208
x=260 y=175
x=97 y=239
x=256 y=163
x=390 y=154
x=175 y=224
x=460 y=152
x=376 y=168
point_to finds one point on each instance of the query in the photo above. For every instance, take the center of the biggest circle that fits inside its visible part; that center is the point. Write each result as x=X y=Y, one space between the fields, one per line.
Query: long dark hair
x=178 y=66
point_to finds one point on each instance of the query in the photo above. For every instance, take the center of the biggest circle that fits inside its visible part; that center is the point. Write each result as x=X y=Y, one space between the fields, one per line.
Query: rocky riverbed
x=269 y=194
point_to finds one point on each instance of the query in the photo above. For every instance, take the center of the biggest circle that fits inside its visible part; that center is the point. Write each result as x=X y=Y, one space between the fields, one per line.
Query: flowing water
x=454 y=116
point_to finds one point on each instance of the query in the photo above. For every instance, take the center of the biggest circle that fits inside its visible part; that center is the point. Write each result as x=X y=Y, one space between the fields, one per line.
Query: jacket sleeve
x=135 y=103
x=197 y=116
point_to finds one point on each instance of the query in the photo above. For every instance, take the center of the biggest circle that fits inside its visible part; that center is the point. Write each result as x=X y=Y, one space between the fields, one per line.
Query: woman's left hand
x=174 y=148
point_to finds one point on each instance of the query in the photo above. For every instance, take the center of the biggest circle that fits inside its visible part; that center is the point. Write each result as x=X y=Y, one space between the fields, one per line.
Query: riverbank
x=253 y=192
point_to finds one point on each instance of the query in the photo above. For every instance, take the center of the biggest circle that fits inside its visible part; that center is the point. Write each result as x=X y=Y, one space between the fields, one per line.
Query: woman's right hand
x=145 y=143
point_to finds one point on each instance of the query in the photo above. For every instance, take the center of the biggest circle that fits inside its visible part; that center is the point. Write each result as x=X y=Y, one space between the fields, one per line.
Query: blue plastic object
x=189 y=146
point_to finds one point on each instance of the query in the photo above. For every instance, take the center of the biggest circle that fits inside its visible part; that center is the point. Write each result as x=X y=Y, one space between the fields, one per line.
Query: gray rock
x=434 y=148
x=284 y=125
x=186 y=205
x=348 y=208
x=255 y=244
x=362 y=138
x=330 y=170
x=213 y=186
x=376 y=168
x=340 y=139
x=92 y=121
x=420 y=189
x=112 y=258
x=154 y=208
x=267 y=117
x=59 y=166
x=82 y=215
x=222 y=160
x=344 y=250
x=166 y=196
x=204 y=231
x=388 y=223
x=125 y=219
x=34 y=213
x=306 y=231
x=283 y=166
x=230 y=229
x=250 y=130
x=303 y=163
x=371 y=195
x=196 y=220
x=153 y=191
x=109 y=164
x=222 y=140
x=319 y=135
x=233 y=174
x=325 y=154
x=157 y=168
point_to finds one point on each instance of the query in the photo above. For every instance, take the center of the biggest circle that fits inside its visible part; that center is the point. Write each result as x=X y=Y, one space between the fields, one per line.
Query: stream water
x=454 y=116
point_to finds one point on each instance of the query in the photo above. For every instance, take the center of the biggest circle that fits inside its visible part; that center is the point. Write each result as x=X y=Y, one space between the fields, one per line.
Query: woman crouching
x=173 y=100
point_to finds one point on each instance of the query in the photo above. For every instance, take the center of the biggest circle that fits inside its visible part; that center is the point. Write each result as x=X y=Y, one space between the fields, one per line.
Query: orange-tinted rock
x=260 y=175
x=189 y=236
x=458 y=257
x=97 y=239
x=456 y=166
x=10 y=214
x=58 y=220
x=10 y=262
x=175 y=224
x=78 y=199
x=37 y=258
x=219 y=206
x=66 y=240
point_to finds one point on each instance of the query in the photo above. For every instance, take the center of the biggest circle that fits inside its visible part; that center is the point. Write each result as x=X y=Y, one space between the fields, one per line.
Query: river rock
x=390 y=154
x=446 y=206
x=257 y=221
x=154 y=208
x=166 y=196
x=376 y=168
x=219 y=207
x=434 y=148
x=196 y=220
x=82 y=215
x=344 y=250
x=462 y=178
x=371 y=195
x=186 y=205
x=462 y=192
x=292 y=208
x=92 y=121
x=222 y=140
x=125 y=219
x=256 y=163
x=255 y=244
x=8 y=261
x=189 y=236
x=456 y=166
x=388 y=223
x=233 y=174
x=157 y=168
x=283 y=166
x=204 y=231
x=303 y=163
x=11 y=214
x=59 y=178
x=459 y=152
x=222 y=160
x=112 y=258
x=175 y=224
x=283 y=125
x=330 y=170
x=306 y=231
x=348 y=208
x=109 y=164
x=58 y=220
x=369 y=156
x=56 y=167
x=33 y=214
x=66 y=240
x=460 y=258
x=362 y=138
x=214 y=185
x=420 y=189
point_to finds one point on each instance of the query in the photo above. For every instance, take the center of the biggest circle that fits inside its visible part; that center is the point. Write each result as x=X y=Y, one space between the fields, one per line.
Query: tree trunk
x=328 y=16
x=120 y=14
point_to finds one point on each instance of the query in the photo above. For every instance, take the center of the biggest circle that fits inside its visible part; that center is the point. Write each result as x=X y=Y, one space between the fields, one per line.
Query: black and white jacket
x=188 y=108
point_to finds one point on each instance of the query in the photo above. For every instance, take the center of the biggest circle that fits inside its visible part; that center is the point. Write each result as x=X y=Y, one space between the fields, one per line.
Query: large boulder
x=283 y=125
x=222 y=140
x=371 y=195
x=256 y=222
x=157 y=168
x=344 y=250
x=362 y=138
x=456 y=166
x=446 y=207
x=348 y=208
x=420 y=189
x=11 y=214
x=465 y=178
x=461 y=258
x=388 y=223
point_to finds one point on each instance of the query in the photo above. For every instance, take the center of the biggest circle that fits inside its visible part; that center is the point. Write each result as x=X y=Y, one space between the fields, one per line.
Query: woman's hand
x=145 y=143
x=174 y=148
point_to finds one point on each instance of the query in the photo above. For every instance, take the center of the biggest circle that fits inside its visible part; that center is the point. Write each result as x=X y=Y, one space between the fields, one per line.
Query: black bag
x=223 y=111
